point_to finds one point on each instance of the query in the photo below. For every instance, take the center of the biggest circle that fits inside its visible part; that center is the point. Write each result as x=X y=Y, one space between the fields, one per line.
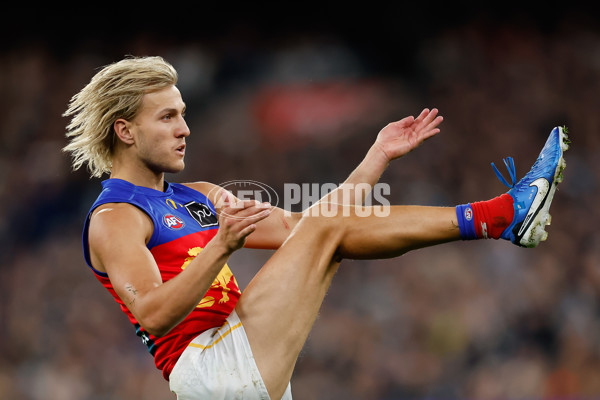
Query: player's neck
x=139 y=177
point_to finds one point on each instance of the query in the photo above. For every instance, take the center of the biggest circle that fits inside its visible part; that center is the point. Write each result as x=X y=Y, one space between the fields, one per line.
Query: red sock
x=493 y=216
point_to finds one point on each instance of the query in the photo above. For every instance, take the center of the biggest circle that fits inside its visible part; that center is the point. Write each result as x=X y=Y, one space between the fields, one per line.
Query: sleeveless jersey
x=184 y=222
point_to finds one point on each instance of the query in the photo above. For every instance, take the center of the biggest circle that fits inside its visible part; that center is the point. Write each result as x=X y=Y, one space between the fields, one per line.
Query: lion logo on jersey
x=221 y=282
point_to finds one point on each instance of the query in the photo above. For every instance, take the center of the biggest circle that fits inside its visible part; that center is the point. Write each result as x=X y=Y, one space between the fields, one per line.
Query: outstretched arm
x=394 y=141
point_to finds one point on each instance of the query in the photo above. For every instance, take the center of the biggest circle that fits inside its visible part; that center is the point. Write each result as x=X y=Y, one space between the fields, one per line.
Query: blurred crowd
x=477 y=320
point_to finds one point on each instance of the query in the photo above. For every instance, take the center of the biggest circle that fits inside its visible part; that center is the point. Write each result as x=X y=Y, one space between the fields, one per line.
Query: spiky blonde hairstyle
x=116 y=91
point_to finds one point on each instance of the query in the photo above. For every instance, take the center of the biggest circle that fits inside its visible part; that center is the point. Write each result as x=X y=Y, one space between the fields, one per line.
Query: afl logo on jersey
x=173 y=222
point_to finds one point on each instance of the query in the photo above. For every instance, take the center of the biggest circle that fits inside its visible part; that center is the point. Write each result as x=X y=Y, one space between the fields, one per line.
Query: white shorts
x=218 y=364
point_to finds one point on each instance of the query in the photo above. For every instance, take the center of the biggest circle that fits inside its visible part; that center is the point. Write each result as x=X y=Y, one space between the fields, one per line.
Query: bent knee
x=325 y=223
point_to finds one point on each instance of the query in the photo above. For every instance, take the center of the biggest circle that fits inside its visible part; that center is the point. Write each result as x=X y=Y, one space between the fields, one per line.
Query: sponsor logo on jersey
x=172 y=204
x=173 y=222
x=202 y=214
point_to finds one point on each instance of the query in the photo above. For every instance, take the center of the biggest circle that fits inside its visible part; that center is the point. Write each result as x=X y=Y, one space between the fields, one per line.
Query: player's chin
x=175 y=167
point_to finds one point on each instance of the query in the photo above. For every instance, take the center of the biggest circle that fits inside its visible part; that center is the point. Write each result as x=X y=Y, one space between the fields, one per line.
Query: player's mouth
x=181 y=150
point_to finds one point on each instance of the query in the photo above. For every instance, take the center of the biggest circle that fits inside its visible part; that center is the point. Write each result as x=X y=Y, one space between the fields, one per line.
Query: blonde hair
x=116 y=91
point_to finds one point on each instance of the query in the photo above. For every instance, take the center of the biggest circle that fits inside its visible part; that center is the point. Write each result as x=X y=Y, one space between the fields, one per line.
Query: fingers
x=247 y=230
x=427 y=122
x=242 y=212
x=248 y=211
x=238 y=219
x=225 y=198
x=424 y=114
x=404 y=122
x=428 y=117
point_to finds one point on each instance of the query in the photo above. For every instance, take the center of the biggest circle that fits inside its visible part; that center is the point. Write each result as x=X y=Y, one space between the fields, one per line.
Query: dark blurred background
x=297 y=94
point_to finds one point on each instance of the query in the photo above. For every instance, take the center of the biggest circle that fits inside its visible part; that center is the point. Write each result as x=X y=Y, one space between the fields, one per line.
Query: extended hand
x=238 y=218
x=400 y=137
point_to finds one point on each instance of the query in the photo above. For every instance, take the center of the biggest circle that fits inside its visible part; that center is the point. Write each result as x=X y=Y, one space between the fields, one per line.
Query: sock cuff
x=466 y=221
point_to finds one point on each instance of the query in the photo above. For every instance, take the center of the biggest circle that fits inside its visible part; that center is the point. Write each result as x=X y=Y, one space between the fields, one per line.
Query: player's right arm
x=117 y=238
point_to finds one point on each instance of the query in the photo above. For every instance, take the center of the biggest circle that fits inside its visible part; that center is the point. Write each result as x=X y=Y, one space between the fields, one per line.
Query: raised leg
x=280 y=305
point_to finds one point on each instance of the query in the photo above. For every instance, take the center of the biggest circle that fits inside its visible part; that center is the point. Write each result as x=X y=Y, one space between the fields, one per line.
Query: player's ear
x=123 y=131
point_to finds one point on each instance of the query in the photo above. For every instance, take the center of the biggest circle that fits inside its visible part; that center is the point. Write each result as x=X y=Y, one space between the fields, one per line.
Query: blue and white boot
x=533 y=194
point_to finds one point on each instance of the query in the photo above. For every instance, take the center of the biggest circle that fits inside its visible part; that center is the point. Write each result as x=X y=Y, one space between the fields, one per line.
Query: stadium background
x=297 y=97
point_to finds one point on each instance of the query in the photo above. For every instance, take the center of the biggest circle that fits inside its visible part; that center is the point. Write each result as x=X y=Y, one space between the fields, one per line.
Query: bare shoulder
x=115 y=229
x=113 y=219
x=111 y=210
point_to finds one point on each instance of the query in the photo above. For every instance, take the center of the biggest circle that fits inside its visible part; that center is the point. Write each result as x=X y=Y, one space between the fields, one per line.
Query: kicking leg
x=280 y=305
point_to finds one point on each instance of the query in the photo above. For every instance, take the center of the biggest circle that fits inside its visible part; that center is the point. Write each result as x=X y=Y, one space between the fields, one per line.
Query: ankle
x=485 y=219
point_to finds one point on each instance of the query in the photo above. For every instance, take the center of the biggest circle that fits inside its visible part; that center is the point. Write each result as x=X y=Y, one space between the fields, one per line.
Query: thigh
x=281 y=303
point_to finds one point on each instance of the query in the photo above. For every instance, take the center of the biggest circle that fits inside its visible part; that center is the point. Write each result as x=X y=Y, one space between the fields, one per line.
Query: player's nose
x=182 y=129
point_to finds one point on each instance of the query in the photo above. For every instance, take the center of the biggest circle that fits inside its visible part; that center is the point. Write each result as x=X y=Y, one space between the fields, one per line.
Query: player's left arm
x=394 y=141
x=270 y=232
